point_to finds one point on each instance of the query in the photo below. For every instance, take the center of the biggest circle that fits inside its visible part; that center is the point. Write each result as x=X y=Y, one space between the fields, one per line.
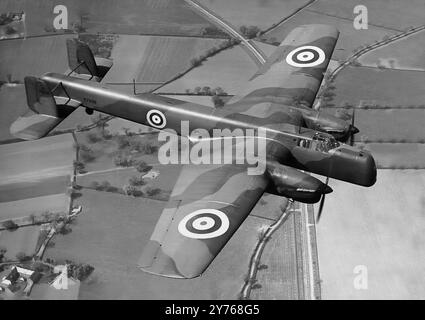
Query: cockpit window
x=319 y=142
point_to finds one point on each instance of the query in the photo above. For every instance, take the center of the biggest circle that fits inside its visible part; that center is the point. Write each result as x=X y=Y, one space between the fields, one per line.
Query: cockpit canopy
x=319 y=142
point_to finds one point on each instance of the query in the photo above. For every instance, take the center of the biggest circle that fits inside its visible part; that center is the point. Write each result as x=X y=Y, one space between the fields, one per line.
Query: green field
x=396 y=125
x=253 y=12
x=384 y=87
x=230 y=70
x=119 y=178
x=388 y=13
x=152 y=60
x=33 y=56
x=110 y=235
x=107 y=16
x=20 y=208
x=21 y=240
x=405 y=53
x=13 y=104
x=381 y=228
x=36 y=160
x=398 y=155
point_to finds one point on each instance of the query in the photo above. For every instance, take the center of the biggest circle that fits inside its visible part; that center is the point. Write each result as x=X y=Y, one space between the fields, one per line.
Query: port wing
x=207 y=205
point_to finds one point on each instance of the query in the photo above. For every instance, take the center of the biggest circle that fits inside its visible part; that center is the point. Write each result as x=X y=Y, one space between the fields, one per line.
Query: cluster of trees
x=137 y=181
x=214 y=31
x=206 y=91
x=195 y=62
x=143 y=167
x=135 y=191
x=103 y=186
x=22 y=257
x=10 y=225
x=86 y=154
x=79 y=166
x=216 y=94
x=3 y=251
x=101 y=45
x=250 y=32
x=123 y=160
x=80 y=271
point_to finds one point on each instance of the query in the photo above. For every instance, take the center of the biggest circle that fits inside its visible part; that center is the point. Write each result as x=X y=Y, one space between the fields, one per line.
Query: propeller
x=353 y=129
x=322 y=201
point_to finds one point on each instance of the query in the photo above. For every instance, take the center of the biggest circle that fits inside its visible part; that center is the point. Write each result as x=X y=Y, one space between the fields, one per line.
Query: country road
x=252 y=49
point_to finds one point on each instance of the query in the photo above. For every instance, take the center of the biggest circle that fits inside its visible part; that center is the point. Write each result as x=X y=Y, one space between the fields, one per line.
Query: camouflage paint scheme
x=209 y=202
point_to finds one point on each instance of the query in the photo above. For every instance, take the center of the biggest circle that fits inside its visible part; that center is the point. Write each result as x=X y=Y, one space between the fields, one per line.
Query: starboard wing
x=291 y=76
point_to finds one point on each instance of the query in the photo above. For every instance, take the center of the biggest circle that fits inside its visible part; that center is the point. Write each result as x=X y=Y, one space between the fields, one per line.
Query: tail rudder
x=83 y=63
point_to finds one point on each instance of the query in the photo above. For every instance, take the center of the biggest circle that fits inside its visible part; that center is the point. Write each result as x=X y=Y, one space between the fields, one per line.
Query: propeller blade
x=353 y=129
x=322 y=202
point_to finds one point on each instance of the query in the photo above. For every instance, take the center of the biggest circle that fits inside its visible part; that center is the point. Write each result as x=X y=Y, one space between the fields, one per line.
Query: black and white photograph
x=230 y=151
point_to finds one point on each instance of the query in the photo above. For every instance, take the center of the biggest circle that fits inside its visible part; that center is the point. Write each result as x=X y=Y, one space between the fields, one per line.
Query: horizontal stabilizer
x=44 y=114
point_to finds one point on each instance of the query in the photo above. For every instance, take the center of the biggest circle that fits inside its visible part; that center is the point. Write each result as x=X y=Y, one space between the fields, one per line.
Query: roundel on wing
x=306 y=56
x=204 y=224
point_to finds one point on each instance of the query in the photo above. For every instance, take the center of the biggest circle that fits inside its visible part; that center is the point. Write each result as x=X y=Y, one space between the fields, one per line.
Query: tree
x=79 y=166
x=136 y=181
x=218 y=101
x=10 y=225
x=3 y=251
x=32 y=218
x=142 y=167
x=197 y=90
x=206 y=90
x=152 y=191
x=22 y=256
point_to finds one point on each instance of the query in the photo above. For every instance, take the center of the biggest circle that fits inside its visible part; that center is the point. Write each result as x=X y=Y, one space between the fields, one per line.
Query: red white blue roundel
x=156 y=119
x=306 y=56
x=204 y=224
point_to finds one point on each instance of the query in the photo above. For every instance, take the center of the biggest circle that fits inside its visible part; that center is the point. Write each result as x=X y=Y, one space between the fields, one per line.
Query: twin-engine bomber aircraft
x=209 y=202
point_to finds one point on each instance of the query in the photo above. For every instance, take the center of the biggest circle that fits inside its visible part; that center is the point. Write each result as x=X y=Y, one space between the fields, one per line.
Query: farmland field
x=253 y=12
x=111 y=234
x=13 y=104
x=405 y=53
x=380 y=228
x=385 y=87
x=36 y=160
x=397 y=125
x=107 y=16
x=33 y=56
x=387 y=13
x=119 y=178
x=153 y=59
x=20 y=208
x=44 y=291
x=21 y=240
x=32 y=189
x=230 y=70
x=398 y=155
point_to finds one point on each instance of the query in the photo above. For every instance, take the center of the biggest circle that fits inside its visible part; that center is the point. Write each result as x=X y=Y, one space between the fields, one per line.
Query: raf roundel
x=204 y=224
x=306 y=56
x=156 y=119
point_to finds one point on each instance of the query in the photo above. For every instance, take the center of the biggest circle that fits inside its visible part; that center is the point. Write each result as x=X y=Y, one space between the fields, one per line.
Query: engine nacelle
x=292 y=183
x=333 y=125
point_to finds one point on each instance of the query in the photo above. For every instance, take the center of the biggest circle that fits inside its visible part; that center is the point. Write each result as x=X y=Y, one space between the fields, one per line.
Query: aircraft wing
x=291 y=75
x=207 y=205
